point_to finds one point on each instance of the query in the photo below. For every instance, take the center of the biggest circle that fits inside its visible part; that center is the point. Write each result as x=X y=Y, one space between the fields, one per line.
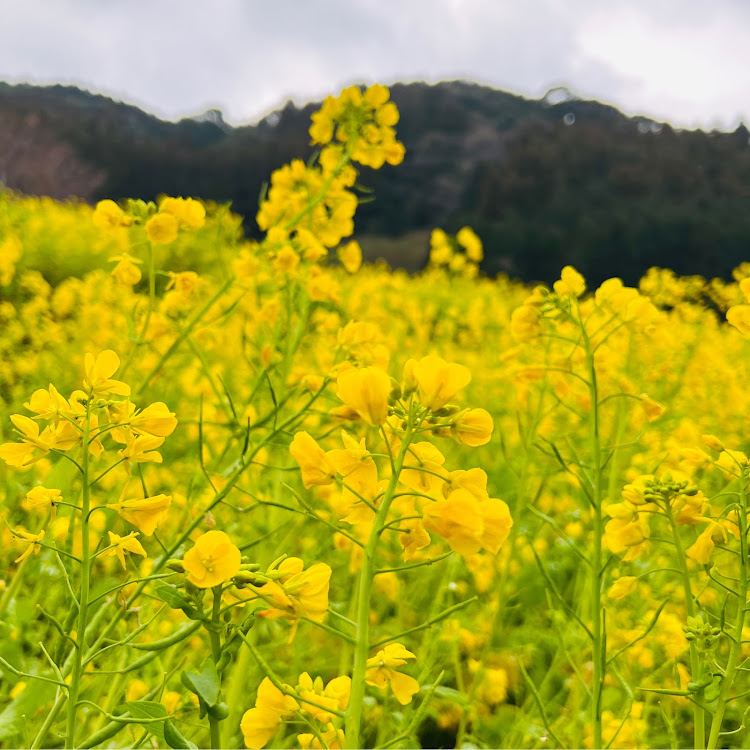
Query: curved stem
x=735 y=651
x=149 y=311
x=83 y=598
x=353 y=717
x=699 y=715
x=597 y=625
x=215 y=655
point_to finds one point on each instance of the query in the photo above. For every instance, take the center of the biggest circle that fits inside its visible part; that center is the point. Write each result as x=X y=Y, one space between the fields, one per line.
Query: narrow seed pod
x=176 y=637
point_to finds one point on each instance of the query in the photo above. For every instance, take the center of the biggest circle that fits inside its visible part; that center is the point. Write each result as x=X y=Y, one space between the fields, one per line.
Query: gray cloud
x=681 y=60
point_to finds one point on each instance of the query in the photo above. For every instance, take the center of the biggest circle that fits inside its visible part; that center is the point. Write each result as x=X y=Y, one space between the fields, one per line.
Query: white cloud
x=673 y=59
x=700 y=71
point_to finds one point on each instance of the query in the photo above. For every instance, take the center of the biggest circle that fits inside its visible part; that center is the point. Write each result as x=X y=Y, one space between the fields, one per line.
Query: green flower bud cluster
x=703 y=634
x=666 y=489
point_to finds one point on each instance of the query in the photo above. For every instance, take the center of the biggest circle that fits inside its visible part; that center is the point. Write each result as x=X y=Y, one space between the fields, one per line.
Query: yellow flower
x=704 y=545
x=212 y=560
x=634 y=494
x=260 y=724
x=739 y=317
x=471 y=244
x=413 y=540
x=691 y=509
x=494 y=687
x=34 y=540
x=155 y=420
x=525 y=323
x=170 y=700
x=622 y=587
x=571 y=283
x=364 y=121
x=126 y=271
x=335 y=695
x=423 y=468
x=438 y=381
x=367 y=391
x=473 y=427
x=108 y=215
x=21 y=455
x=350 y=256
x=141 y=449
x=162 y=229
x=17 y=689
x=99 y=371
x=652 y=409
x=473 y=480
x=136 y=690
x=311 y=247
x=184 y=283
x=334 y=739
x=41 y=497
x=312 y=460
x=627 y=531
x=145 y=513
x=297 y=592
x=440 y=248
x=497 y=524
x=469 y=523
x=48 y=404
x=382 y=671
x=119 y=545
x=286 y=260
x=732 y=462
x=712 y=442
x=188 y=212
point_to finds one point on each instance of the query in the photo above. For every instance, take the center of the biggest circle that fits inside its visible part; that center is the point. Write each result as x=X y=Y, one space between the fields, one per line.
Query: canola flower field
x=257 y=494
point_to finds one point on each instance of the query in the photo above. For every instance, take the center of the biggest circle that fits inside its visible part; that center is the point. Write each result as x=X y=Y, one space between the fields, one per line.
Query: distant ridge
x=545 y=182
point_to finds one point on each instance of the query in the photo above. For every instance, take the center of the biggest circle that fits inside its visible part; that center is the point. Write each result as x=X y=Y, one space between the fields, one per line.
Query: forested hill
x=545 y=183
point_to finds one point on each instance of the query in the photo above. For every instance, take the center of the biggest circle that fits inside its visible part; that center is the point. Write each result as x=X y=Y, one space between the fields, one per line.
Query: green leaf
x=177 y=600
x=174 y=739
x=149 y=710
x=169 y=594
x=204 y=684
x=165 y=731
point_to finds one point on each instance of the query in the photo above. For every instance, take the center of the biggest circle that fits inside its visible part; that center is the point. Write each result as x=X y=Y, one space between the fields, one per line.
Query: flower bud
x=712 y=442
x=410 y=378
x=246 y=576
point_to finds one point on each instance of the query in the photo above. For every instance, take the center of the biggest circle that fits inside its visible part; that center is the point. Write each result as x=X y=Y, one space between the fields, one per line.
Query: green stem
x=735 y=651
x=353 y=716
x=599 y=655
x=15 y=584
x=699 y=715
x=83 y=597
x=184 y=334
x=48 y=719
x=149 y=311
x=219 y=497
x=215 y=655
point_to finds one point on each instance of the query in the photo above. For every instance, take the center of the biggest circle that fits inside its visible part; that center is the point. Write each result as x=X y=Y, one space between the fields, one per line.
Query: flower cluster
x=95 y=420
x=454 y=505
x=161 y=225
x=315 y=701
x=361 y=122
x=461 y=254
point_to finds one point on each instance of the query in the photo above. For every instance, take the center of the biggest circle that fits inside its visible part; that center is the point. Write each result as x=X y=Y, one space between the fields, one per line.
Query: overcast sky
x=684 y=61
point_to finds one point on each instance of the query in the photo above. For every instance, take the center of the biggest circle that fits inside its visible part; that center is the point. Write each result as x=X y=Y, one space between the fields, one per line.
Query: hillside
x=544 y=182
